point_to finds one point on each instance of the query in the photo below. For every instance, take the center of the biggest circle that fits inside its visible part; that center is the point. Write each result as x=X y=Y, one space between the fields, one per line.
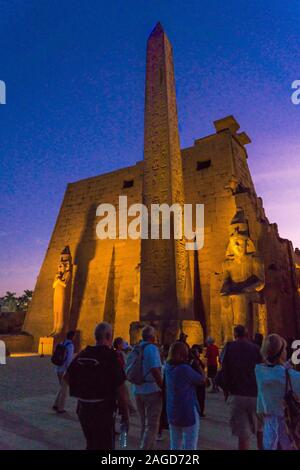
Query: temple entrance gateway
x=244 y=275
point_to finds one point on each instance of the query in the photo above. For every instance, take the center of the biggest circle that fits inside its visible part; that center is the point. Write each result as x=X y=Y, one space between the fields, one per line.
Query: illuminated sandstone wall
x=216 y=174
x=105 y=279
x=280 y=291
x=174 y=284
x=207 y=171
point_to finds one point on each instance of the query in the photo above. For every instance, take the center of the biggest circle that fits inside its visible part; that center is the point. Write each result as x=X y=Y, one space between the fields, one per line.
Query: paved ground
x=27 y=389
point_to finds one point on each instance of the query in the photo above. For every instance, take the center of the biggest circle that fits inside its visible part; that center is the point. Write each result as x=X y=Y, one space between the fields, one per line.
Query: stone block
x=46 y=346
x=21 y=343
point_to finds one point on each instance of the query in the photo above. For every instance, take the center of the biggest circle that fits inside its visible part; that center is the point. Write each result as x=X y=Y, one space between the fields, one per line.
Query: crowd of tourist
x=166 y=385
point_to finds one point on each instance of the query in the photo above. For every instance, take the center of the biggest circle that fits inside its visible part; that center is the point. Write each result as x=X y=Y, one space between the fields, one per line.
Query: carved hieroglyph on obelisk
x=165 y=277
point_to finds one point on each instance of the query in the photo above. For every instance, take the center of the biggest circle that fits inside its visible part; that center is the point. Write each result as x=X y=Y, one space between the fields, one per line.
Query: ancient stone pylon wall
x=282 y=303
x=105 y=273
x=223 y=183
x=106 y=281
x=207 y=173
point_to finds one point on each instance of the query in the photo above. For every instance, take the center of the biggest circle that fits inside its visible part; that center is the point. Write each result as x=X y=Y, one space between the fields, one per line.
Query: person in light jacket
x=271 y=382
x=60 y=400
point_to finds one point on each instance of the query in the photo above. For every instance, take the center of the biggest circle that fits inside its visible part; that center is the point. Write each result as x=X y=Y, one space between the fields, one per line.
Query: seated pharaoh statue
x=243 y=278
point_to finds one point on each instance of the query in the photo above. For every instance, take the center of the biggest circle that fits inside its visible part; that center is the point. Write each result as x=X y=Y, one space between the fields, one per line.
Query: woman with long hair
x=182 y=404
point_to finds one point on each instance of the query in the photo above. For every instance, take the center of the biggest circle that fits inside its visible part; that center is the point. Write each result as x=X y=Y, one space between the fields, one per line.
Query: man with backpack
x=97 y=379
x=62 y=358
x=143 y=369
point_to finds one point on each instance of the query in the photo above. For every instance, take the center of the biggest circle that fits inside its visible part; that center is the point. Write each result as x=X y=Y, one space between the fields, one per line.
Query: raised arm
x=195 y=377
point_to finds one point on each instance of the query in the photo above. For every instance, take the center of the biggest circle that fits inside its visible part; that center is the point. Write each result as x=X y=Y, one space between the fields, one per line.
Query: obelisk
x=165 y=282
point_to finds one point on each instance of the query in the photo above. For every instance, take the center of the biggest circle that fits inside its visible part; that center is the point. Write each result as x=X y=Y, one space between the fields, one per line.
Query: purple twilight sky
x=75 y=72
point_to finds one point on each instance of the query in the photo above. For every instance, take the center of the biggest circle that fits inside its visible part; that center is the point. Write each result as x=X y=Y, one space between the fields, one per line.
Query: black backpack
x=90 y=374
x=60 y=354
x=292 y=411
x=134 y=365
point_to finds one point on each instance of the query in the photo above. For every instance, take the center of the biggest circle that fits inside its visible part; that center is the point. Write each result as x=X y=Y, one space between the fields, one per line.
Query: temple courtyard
x=27 y=389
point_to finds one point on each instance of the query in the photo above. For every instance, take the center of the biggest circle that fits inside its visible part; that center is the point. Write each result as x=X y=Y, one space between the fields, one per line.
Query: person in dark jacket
x=97 y=379
x=238 y=365
x=212 y=355
x=258 y=339
x=199 y=366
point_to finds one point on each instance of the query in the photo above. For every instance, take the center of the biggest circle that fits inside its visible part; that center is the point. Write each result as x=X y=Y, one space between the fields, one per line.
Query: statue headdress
x=239 y=224
x=65 y=255
x=239 y=228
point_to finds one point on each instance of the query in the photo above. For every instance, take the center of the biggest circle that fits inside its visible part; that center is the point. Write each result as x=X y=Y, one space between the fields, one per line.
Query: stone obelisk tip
x=158 y=29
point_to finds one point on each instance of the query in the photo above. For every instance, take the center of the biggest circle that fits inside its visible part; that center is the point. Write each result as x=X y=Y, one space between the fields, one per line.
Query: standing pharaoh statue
x=243 y=279
x=62 y=287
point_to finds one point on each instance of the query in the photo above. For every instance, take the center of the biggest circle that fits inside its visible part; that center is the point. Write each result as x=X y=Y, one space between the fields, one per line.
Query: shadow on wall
x=109 y=314
x=84 y=254
x=198 y=301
